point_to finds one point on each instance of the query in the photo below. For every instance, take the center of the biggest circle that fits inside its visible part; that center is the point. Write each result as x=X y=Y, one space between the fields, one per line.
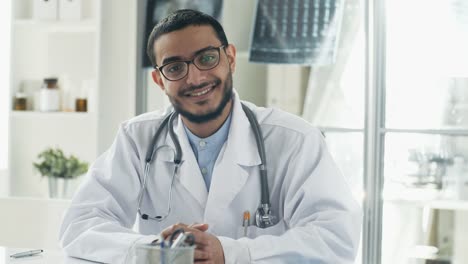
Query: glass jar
x=81 y=105
x=20 y=102
x=49 y=96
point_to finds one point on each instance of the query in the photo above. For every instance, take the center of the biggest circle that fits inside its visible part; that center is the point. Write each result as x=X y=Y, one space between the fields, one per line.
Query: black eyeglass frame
x=187 y=62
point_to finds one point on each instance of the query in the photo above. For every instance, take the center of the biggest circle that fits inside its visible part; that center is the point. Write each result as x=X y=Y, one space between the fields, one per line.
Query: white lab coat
x=318 y=221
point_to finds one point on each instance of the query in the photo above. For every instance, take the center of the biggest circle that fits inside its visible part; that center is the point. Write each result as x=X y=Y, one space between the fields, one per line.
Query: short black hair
x=178 y=20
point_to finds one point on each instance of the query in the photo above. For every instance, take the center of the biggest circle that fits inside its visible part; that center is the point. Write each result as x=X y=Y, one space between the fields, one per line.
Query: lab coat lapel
x=189 y=174
x=233 y=164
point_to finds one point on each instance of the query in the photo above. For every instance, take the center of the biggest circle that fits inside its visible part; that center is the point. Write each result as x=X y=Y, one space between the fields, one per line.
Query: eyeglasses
x=205 y=60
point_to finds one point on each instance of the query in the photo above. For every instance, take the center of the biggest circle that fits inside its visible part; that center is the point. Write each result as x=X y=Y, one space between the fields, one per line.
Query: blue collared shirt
x=206 y=150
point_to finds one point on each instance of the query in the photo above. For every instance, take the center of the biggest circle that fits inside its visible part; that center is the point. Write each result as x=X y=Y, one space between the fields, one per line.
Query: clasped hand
x=208 y=249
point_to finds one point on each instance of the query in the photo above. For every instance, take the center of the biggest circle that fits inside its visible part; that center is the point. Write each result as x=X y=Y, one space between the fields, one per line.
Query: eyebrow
x=179 y=58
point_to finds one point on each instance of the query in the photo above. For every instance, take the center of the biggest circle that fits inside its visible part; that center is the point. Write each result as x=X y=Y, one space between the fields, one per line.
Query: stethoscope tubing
x=265 y=193
x=168 y=123
x=152 y=150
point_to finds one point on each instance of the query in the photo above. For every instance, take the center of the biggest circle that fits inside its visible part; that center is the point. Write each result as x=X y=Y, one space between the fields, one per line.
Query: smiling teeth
x=202 y=92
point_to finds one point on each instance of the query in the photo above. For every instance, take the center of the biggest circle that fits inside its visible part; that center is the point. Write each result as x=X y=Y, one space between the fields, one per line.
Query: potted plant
x=55 y=165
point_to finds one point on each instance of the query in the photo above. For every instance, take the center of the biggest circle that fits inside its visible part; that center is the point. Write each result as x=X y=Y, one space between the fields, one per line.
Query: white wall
x=4 y=183
x=25 y=181
x=5 y=19
x=118 y=69
x=39 y=220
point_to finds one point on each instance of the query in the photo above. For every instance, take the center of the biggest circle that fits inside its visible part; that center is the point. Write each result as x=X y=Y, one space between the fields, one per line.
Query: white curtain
x=335 y=94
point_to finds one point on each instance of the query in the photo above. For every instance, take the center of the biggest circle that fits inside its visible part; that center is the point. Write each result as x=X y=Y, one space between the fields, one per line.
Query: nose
x=194 y=75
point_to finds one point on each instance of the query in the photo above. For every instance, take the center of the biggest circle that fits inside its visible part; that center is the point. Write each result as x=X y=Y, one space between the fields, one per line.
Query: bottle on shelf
x=20 y=102
x=81 y=105
x=81 y=102
x=49 y=96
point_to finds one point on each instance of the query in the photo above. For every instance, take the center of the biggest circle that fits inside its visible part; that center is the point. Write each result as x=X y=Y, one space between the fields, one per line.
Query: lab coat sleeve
x=98 y=224
x=324 y=220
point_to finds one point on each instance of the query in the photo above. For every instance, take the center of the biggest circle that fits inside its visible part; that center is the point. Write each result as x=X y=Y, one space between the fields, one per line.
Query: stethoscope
x=263 y=215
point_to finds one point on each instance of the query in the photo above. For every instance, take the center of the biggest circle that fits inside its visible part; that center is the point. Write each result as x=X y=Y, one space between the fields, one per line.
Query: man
x=315 y=219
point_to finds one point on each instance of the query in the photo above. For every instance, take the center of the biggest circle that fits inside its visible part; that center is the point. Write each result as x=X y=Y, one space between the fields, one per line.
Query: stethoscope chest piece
x=264 y=217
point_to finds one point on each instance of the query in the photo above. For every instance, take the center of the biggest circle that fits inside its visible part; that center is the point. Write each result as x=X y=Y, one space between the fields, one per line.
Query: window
x=414 y=138
x=424 y=131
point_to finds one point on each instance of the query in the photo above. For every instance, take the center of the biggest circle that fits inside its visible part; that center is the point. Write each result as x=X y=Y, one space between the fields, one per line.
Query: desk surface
x=47 y=257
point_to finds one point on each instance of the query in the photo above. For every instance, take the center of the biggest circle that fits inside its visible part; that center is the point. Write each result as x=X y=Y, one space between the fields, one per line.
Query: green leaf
x=53 y=163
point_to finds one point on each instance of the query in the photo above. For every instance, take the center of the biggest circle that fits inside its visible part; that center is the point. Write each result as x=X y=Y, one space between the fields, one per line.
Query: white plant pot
x=59 y=188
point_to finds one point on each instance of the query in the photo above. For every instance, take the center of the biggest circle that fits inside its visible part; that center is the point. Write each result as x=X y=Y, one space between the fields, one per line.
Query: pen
x=246 y=222
x=178 y=241
x=27 y=253
x=162 y=256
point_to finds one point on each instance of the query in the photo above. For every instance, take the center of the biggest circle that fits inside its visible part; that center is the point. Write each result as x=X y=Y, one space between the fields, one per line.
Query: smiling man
x=207 y=164
x=203 y=97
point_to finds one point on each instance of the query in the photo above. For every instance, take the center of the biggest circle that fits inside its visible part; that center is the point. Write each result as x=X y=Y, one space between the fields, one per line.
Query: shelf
x=421 y=197
x=57 y=26
x=456 y=131
x=457 y=205
x=58 y=114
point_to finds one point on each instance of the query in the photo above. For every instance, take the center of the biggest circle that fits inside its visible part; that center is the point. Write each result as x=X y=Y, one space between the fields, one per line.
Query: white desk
x=46 y=257
x=40 y=220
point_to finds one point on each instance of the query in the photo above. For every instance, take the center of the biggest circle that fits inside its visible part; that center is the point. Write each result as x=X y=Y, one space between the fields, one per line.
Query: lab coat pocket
x=253 y=231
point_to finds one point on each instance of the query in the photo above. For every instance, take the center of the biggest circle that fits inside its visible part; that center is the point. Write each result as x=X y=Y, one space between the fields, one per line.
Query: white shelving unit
x=86 y=25
x=44 y=49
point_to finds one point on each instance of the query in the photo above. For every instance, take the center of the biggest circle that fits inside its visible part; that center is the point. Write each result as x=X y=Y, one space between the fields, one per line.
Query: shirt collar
x=217 y=139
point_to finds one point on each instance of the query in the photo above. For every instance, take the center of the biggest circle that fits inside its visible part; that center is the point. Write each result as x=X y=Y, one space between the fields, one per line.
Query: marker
x=246 y=222
x=27 y=253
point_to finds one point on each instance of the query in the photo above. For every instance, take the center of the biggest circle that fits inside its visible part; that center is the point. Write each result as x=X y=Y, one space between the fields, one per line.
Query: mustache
x=198 y=86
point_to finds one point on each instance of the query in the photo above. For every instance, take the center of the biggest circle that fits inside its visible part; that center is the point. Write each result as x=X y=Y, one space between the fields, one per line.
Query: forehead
x=184 y=42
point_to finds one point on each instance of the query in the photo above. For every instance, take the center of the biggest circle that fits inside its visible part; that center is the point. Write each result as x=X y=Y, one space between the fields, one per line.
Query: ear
x=157 y=78
x=231 y=55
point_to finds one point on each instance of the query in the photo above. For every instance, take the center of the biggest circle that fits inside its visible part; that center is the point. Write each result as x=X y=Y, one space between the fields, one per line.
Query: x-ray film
x=296 y=31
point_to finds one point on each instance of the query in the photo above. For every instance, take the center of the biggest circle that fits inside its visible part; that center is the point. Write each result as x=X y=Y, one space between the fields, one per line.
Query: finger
x=194 y=224
x=200 y=247
x=201 y=255
x=170 y=229
x=179 y=225
x=201 y=227
x=202 y=239
x=166 y=232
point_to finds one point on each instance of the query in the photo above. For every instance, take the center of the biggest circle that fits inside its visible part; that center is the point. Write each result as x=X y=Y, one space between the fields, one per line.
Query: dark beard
x=200 y=119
